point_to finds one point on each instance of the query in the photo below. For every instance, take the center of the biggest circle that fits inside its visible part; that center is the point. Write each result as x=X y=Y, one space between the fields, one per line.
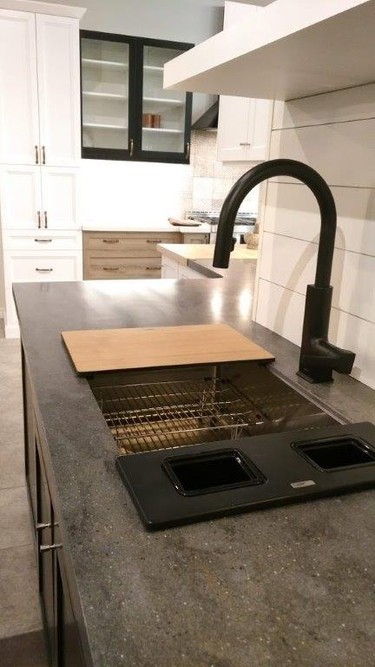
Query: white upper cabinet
x=19 y=122
x=244 y=128
x=39 y=70
x=59 y=89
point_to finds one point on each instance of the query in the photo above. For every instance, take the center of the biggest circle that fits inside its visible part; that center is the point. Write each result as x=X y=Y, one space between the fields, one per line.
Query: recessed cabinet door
x=20 y=201
x=59 y=89
x=60 y=196
x=19 y=131
x=244 y=129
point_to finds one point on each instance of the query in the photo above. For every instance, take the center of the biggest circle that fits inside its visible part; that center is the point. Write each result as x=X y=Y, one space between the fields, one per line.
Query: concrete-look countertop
x=140 y=227
x=183 y=252
x=285 y=586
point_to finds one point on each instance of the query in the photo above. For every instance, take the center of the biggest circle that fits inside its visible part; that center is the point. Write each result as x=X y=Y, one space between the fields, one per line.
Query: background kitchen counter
x=125 y=227
x=289 y=585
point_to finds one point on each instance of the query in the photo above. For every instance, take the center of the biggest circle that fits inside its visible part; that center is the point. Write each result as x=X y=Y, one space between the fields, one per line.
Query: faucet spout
x=318 y=357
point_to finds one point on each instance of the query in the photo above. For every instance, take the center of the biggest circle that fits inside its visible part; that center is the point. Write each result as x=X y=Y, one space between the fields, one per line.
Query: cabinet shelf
x=104 y=96
x=162 y=130
x=163 y=102
x=105 y=126
x=310 y=49
x=153 y=68
x=91 y=62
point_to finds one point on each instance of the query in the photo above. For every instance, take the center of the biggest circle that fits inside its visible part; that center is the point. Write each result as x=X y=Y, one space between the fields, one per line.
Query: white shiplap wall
x=335 y=134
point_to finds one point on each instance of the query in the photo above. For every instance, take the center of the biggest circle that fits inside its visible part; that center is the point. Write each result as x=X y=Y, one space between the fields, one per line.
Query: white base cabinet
x=171 y=268
x=39 y=197
x=26 y=266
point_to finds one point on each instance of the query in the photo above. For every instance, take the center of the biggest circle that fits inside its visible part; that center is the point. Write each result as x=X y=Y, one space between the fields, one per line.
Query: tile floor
x=21 y=636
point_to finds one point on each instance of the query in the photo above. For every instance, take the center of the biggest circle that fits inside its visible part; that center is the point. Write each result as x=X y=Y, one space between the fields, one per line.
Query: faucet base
x=314 y=376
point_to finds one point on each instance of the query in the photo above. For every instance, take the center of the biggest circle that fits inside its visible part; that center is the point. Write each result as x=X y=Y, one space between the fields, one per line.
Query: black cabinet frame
x=134 y=151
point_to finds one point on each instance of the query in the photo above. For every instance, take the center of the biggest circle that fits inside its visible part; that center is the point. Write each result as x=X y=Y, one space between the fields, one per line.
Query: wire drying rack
x=162 y=415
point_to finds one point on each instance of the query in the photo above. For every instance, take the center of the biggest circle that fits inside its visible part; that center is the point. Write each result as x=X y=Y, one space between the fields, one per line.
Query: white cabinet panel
x=39 y=197
x=24 y=266
x=58 y=85
x=244 y=128
x=19 y=130
x=20 y=201
x=187 y=272
x=42 y=239
x=61 y=198
x=169 y=267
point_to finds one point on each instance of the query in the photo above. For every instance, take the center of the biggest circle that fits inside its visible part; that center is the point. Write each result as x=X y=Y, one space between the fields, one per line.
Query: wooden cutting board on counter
x=115 y=349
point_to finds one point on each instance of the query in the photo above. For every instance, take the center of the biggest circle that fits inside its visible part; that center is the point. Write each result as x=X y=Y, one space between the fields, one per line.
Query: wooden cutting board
x=115 y=349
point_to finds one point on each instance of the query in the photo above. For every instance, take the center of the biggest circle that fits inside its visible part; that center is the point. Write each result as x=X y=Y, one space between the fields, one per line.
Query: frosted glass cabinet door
x=19 y=130
x=105 y=94
x=20 y=201
x=59 y=89
x=163 y=111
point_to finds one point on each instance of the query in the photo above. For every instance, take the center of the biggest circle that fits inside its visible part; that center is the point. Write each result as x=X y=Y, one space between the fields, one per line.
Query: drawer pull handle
x=111 y=240
x=43 y=240
x=152 y=268
x=154 y=240
x=43 y=155
x=131 y=147
x=44 y=270
x=244 y=143
x=45 y=220
x=187 y=152
x=111 y=268
x=36 y=155
x=39 y=221
x=41 y=526
x=49 y=547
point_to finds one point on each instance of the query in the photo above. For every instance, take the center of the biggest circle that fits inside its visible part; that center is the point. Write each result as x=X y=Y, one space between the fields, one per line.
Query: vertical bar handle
x=187 y=152
x=43 y=155
x=39 y=220
x=131 y=147
x=36 y=154
x=45 y=220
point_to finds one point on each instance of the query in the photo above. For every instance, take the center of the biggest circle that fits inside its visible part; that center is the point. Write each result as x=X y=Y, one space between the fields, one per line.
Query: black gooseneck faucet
x=318 y=357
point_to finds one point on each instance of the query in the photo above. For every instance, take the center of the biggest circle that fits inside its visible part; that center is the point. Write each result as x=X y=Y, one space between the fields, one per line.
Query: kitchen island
x=285 y=586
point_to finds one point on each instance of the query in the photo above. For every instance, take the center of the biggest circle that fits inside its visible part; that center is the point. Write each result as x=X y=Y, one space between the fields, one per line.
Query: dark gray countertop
x=286 y=586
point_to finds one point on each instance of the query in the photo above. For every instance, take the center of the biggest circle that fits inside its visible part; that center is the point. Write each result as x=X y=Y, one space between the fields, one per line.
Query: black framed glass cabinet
x=126 y=113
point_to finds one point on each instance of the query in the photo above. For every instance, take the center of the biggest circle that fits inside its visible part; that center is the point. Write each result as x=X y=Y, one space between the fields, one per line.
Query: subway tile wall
x=335 y=134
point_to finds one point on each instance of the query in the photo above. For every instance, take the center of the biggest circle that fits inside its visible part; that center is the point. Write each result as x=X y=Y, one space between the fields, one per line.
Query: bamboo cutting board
x=115 y=349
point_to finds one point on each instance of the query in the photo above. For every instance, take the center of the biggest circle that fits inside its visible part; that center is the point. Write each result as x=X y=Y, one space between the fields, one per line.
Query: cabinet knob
x=36 y=154
x=49 y=547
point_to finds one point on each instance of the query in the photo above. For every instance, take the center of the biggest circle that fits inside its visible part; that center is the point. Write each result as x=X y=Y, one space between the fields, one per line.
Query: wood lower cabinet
x=61 y=629
x=119 y=255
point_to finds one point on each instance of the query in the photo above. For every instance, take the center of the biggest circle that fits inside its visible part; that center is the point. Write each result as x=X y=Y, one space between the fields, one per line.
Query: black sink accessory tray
x=203 y=482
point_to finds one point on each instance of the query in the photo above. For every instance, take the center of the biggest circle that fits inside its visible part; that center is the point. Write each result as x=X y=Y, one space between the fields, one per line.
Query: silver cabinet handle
x=44 y=270
x=43 y=240
x=50 y=547
x=39 y=220
x=154 y=241
x=187 y=151
x=43 y=155
x=111 y=268
x=244 y=143
x=131 y=147
x=45 y=220
x=36 y=154
x=111 y=240
x=40 y=526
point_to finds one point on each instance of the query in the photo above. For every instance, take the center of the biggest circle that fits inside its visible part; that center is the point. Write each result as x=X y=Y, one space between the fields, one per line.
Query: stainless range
x=244 y=223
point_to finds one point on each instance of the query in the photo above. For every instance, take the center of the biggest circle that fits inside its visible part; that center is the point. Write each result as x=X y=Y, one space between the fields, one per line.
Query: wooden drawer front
x=42 y=240
x=131 y=245
x=196 y=238
x=102 y=268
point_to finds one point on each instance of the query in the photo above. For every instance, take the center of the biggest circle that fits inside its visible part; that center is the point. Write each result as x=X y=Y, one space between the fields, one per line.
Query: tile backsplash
x=211 y=179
